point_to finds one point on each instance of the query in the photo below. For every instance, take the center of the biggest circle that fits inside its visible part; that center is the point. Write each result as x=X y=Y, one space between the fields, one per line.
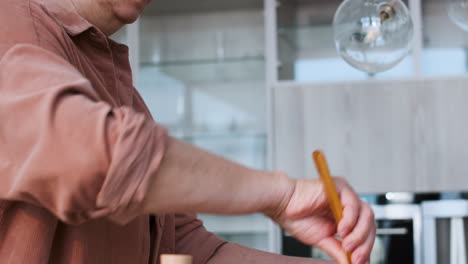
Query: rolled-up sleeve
x=63 y=149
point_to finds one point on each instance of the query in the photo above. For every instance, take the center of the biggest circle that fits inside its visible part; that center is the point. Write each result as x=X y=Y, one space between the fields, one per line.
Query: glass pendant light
x=458 y=13
x=373 y=35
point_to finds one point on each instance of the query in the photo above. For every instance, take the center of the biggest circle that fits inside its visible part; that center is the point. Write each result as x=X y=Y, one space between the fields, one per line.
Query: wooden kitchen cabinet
x=382 y=135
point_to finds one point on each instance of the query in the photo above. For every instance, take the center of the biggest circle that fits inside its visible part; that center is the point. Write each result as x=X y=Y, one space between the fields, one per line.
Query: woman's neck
x=96 y=13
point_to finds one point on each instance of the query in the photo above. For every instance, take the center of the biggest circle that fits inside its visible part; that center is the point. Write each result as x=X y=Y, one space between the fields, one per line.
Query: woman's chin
x=128 y=16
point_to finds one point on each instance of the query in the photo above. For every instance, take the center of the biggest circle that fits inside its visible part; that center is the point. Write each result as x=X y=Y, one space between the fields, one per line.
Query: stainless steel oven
x=399 y=233
x=413 y=228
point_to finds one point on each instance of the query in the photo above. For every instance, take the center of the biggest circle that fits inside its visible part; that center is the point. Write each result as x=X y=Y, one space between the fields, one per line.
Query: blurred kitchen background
x=260 y=82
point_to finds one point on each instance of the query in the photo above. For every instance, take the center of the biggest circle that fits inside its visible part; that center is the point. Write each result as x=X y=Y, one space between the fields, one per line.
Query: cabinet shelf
x=224 y=136
x=190 y=6
x=205 y=61
x=201 y=71
x=249 y=224
x=315 y=40
x=245 y=148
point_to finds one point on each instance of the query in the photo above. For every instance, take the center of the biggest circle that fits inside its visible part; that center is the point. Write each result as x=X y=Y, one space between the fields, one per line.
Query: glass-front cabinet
x=201 y=71
x=445 y=43
x=306 y=45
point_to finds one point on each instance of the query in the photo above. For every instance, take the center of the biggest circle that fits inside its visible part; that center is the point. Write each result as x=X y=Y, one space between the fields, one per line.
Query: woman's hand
x=306 y=215
x=190 y=180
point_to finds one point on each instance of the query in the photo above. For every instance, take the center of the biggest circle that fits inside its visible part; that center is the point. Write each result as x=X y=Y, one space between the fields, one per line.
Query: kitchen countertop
x=411 y=198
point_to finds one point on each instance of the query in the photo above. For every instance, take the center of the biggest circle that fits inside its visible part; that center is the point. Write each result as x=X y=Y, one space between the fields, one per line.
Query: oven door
x=394 y=242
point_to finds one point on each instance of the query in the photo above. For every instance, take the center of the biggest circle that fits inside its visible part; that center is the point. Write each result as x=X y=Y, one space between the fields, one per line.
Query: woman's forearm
x=192 y=180
x=234 y=254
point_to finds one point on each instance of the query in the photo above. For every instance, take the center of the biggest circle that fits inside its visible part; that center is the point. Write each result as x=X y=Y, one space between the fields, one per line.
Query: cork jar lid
x=176 y=259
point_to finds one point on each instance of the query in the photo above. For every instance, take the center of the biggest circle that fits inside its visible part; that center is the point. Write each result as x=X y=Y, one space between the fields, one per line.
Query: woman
x=83 y=164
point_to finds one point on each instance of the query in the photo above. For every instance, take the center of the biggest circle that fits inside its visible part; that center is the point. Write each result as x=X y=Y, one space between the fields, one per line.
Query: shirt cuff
x=136 y=154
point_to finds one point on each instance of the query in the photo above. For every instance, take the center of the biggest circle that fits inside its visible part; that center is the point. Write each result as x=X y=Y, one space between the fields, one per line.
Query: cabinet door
x=407 y=135
x=201 y=73
x=444 y=49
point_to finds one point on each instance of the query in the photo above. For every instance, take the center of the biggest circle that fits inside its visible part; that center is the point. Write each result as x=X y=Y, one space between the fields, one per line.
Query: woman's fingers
x=362 y=253
x=351 y=207
x=362 y=232
x=332 y=246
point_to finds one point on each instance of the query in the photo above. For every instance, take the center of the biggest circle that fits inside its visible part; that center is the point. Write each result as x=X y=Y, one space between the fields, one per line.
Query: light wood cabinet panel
x=400 y=135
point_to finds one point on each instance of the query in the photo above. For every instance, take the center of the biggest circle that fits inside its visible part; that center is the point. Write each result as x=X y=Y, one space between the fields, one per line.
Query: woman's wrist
x=282 y=191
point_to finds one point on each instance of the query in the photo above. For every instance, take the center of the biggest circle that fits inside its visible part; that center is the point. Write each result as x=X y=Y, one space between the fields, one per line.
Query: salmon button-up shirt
x=78 y=148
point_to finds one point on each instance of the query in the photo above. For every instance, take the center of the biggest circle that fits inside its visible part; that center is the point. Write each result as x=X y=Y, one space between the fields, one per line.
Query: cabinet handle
x=383 y=232
x=392 y=231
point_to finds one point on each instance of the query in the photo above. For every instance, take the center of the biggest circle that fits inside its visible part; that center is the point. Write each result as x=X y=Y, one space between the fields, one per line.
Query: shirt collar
x=71 y=21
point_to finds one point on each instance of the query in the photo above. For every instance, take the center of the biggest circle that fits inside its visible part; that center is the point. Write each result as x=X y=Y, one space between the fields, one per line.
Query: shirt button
x=93 y=34
x=161 y=220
